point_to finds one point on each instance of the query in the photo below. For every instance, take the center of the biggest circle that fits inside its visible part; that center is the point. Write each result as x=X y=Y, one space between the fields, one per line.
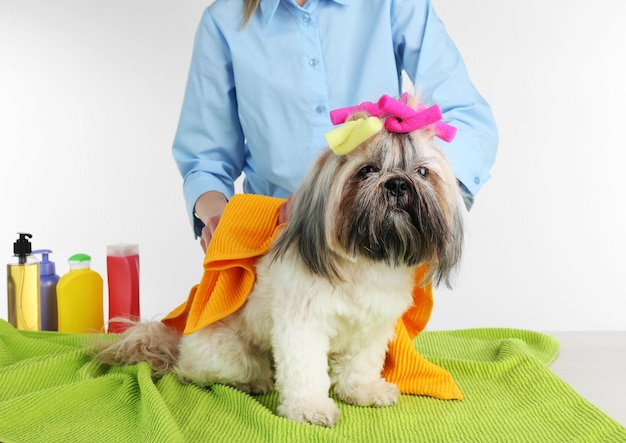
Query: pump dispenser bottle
x=48 y=280
x=23 y=286
x=79 y=297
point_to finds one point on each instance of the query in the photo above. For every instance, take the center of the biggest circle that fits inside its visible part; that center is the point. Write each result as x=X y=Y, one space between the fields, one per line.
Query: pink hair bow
x=398 y=117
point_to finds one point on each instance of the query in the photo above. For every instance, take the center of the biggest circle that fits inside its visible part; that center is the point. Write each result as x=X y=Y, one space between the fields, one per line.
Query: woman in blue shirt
x=265 y=74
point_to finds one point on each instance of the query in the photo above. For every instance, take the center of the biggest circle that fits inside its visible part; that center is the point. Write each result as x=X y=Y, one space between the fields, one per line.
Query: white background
x=90 y=93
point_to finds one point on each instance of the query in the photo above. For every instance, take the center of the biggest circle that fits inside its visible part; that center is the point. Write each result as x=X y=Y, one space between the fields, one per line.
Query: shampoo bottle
x=123 y=283
x=23 y=286
x=48 y=280
x=79 y=298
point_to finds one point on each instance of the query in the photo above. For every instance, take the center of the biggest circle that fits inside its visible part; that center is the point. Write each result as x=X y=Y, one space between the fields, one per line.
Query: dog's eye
x=423 y=171
x=366 y=170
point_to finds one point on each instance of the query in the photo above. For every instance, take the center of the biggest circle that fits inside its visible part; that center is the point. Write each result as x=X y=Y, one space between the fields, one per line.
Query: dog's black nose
x=397 y=186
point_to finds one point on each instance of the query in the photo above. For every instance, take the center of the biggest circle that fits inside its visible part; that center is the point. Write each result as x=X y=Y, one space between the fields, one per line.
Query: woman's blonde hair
x=249 y=6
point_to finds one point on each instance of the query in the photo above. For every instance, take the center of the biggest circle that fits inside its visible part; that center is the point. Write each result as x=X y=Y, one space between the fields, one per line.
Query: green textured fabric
x=50 y=391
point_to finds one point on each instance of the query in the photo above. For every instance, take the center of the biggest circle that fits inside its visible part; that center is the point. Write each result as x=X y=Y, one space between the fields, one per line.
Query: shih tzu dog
x=380 y=204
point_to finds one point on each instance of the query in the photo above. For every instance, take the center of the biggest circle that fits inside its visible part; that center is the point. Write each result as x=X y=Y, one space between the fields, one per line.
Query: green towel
x=51 y=391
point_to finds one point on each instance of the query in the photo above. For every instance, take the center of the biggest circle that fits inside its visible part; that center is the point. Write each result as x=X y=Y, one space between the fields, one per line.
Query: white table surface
x=594 y=364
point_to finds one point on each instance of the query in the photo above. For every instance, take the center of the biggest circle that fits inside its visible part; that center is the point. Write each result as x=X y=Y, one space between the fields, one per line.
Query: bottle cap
x=22 y=246
x=79 y=261
x=46 y=267
x=122 y=249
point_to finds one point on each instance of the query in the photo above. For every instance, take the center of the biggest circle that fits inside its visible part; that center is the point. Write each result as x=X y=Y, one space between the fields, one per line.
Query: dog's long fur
x=329 y=293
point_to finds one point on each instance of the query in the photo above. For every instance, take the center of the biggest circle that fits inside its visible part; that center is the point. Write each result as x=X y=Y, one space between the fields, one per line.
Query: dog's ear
x=449 y=256
x=307 y=228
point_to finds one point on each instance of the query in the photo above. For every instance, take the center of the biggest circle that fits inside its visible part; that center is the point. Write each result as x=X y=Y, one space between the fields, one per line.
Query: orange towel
x=245 y=232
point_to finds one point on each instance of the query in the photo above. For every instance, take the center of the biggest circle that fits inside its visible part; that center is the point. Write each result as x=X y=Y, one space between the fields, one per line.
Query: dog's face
x=393 y=199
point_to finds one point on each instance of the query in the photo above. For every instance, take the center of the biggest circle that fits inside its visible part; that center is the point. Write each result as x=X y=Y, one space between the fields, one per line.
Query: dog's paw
x=377 y=393
x=321 y=411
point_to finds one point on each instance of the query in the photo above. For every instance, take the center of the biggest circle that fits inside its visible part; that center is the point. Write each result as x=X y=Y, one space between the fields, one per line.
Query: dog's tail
x=151 y=342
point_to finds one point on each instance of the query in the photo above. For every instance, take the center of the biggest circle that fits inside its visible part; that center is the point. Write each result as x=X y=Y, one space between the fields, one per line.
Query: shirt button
x=476 y=180
x=306 y=18
x=320 y=109
x=313 y=62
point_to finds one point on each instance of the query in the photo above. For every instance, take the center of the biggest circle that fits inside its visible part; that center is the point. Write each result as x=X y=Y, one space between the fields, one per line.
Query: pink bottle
x=123 y=282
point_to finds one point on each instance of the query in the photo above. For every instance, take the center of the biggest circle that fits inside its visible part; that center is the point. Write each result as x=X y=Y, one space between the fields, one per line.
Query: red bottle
x=123 y=281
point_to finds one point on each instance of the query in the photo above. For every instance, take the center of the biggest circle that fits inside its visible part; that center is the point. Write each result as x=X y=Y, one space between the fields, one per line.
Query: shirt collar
x=268 y=8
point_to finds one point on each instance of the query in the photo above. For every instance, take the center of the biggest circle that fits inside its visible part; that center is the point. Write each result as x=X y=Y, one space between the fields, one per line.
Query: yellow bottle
x=23 y=286
x=79 y=298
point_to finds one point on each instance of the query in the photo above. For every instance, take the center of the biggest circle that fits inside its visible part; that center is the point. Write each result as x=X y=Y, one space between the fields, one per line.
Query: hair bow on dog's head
x=392 y=114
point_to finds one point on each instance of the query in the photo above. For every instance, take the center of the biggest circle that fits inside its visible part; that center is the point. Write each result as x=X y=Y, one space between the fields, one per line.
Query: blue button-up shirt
x=258 y=96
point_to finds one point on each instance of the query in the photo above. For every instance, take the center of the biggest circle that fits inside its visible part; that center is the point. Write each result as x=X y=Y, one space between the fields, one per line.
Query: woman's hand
x=209 y=208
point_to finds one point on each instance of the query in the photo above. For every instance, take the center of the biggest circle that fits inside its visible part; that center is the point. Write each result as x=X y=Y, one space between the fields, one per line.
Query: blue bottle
x=48 y=280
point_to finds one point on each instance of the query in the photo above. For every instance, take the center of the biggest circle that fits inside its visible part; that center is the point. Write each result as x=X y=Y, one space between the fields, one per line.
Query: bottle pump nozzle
x=46 y=267
x=22 y=247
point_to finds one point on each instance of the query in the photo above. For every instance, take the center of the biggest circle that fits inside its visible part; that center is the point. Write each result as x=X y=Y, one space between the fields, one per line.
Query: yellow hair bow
x=348 y=136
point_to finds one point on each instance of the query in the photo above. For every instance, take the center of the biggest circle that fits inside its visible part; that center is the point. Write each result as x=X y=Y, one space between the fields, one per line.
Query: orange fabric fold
x=404 y=366
x=245 y=232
